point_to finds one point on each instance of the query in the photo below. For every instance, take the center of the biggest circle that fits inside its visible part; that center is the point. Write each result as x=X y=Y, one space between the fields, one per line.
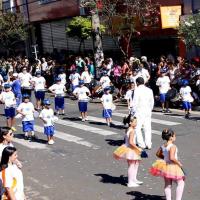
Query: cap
x=81 y=82
x=38 y=72
x=26 y=96
x=58 y=79
x=107 y=88
x=46 y=102
x=7 y=85
x=185 y=82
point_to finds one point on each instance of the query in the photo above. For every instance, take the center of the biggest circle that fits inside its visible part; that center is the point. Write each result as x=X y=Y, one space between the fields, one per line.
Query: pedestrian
x=86 y=77
x=39 y=84
x=105 y=80
x=129 y=97
x=26 y=110
x=164 y=85
x=6 y=138
x=16 y=88
x=131 y=153
x=58 y=89
x=74 y=78
x=143 y=102
x=169 y=167
x=13 y=190
x=82 y=93
x=62 y=76
x=48 y=118
x=8 y=98
x=107 y=102
x=185 y=93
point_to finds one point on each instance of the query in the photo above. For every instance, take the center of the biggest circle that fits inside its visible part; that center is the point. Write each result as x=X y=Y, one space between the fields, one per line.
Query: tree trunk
x=97 y=40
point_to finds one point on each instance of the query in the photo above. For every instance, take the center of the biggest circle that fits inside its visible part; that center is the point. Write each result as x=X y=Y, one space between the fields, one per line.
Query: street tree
x=189 y=30
x=125 y=18
x=12 y=30
x=80 y=28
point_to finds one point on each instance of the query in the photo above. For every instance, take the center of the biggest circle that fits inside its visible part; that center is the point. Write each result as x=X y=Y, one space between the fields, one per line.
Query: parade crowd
x=140 y=82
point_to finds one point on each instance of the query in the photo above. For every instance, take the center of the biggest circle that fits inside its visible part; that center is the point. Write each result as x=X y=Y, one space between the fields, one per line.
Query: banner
x=170 y=16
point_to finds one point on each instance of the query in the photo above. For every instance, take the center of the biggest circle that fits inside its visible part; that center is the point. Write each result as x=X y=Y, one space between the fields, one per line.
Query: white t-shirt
x=107 y=101
x=8 y=98
x=129 y=97
x=27 y=109
x=198 y=82
x=39 y=83
x=144 y=74
x=63 y=78
x=48 y=116
x=74 y=78
x=25 y=79
x=85 y=76
x=105 y=81
x=44 y=66
x=164 y=84
x=185 y=92
x=82 y=93
x=58 y=89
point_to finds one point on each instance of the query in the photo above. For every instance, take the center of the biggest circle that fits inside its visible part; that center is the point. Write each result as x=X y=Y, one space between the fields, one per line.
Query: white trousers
x=143 y=127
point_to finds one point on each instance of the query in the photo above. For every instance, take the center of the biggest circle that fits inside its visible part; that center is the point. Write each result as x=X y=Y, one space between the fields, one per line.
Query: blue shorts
x=59 y=103
x=82 y=106
x=187 y=105
x=107 y=113
x=18 y=99
x=40 y=95
x=28 y=126
x=74 y=87
x=49 y=130
x=9 y=112
x=163 y=98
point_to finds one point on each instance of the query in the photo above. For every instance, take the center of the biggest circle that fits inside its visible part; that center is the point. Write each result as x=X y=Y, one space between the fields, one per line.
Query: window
x=46 y=1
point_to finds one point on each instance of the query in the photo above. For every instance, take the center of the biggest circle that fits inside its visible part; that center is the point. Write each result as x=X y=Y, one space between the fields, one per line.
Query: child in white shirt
x=74 y=78
x=8 y=98
x=107 y=102
x=47 y=116
x=59 y=90
x=26 y=109
x=187 y=98
x=163 y=82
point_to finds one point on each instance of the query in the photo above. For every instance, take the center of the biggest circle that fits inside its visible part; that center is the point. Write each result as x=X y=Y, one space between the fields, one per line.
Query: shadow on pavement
x=139 y=196
x=104 y=124
x=72 y=118
x=105 y=178
x=21 y=137
x=114 y=142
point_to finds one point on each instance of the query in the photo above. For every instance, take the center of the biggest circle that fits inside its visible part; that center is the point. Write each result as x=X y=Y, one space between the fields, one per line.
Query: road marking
x=169 y=115
x=30 y=145
x=158 y=121
x=86 y=127
x=68 y=137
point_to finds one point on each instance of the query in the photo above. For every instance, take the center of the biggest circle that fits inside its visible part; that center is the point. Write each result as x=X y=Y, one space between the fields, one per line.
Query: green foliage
x=12 y=29
x=81 y=28
x=189 y=29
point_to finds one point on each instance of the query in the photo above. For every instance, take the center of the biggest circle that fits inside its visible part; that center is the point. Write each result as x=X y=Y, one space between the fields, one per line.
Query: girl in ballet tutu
x=169 y=167
x=131 y=153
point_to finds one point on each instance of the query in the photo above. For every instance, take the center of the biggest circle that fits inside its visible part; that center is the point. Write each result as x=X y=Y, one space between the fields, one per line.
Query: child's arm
x=159 y=153
x=172 y=156
x=131 y=142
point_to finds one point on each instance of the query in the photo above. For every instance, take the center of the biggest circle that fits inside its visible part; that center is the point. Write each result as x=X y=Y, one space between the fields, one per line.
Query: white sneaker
x=51 y=142
x=139 y=182
x=133 y=185
x=86 y=119
x=83 y=120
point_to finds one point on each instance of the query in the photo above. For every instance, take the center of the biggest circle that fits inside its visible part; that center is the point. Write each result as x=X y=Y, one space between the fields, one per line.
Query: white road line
x=169 y=115
x=96 y=119
x=158 y=121
x=69 y=138
x=30 y=145
x=86 y=128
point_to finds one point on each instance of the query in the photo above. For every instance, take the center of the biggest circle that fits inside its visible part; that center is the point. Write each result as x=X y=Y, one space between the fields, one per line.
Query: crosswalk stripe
x=86 y=128
x=169 y=115
x=158 y=121
x=30 y=145
x=97 y=119
x=68 y=137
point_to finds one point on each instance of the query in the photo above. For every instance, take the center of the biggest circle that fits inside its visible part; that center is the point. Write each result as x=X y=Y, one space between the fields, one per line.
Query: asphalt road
x=80 y=166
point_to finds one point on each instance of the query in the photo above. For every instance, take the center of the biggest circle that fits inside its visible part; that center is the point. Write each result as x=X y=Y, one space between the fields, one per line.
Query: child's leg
x=132 y=172
x=12 y=122
x=168 y=187
x=82 y=115
x=8 y=121
x=136 y=169
x=179 y=189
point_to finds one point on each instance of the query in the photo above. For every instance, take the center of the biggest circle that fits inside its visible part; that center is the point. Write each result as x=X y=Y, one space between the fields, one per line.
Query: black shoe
x=26 y=137
x=186 y=116
x=34 y=137
x=168 y=111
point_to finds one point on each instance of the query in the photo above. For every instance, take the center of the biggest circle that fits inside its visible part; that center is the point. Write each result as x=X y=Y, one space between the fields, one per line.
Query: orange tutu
x=124 y=152
x=167 y=170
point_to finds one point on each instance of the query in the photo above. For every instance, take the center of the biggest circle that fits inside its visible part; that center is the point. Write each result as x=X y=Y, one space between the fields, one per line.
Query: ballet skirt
x=166 y=168
x=126 y=152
